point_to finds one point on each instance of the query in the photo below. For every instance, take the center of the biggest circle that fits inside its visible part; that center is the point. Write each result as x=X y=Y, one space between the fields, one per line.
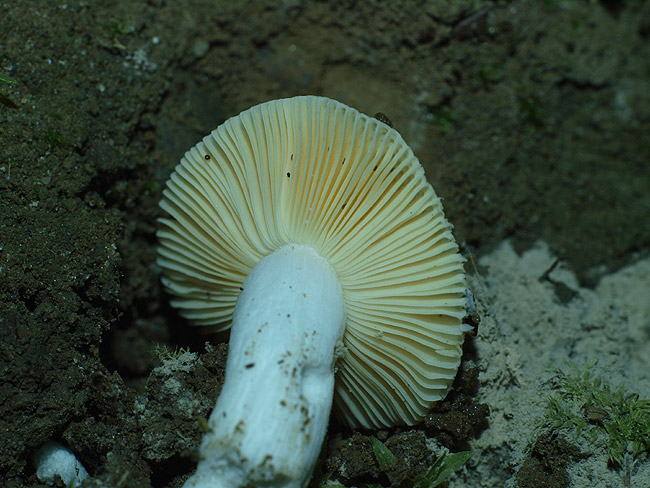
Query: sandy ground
x=527 y=331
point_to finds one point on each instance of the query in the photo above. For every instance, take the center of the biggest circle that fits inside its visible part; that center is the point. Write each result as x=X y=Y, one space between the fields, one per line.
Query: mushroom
x=310 y=230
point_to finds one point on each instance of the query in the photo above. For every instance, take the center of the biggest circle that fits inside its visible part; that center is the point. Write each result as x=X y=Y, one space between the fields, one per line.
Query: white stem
x=270 y=419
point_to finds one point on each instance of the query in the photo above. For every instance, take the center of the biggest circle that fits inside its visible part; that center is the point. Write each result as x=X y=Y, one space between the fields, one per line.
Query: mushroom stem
x=271 y=416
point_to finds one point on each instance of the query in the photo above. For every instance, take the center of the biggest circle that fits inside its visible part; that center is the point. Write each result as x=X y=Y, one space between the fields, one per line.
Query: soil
x=531 y=119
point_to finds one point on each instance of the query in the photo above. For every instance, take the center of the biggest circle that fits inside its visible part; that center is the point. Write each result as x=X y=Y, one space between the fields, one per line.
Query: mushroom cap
x=311 y=170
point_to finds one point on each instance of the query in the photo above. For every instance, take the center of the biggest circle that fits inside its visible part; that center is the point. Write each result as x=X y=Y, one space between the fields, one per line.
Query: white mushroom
x=312 y=230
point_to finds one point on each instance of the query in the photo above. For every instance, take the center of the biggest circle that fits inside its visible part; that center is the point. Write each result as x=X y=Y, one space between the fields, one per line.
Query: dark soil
x=546 y=464
x=531 y=119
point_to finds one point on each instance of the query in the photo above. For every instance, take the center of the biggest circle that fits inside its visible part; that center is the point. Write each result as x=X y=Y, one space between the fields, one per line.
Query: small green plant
x=54 y=138
x=444 y=465
x=114 y=28
x=151 y=187
x=612 y=419
x=442 y=468
x=165 y=353
x=57 y=114
x=6 y=79
x=382 y=454
x=530 y=107
x=443 y=117
x=489 y=73
x=326 y=482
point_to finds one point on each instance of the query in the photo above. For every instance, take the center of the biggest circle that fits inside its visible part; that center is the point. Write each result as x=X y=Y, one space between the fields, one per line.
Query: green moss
x=611 y=419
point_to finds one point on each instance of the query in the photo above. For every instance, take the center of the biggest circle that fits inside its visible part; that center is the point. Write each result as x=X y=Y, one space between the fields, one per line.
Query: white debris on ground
x=54 y=459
